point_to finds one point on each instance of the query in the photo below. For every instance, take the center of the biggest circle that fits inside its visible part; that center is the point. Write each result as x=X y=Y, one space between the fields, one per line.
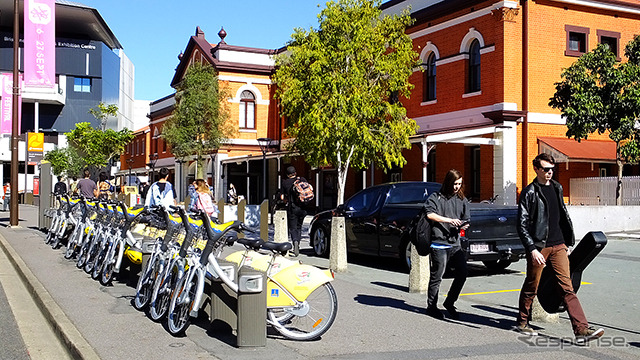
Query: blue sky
x=154 y=32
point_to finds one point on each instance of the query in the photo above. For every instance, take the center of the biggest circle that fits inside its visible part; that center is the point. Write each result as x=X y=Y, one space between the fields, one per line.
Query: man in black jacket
x=295 y=211
x=546 y=231
x=60 y=188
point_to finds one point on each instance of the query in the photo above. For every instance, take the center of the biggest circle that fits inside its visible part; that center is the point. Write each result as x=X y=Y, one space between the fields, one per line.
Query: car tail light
x=463 y=233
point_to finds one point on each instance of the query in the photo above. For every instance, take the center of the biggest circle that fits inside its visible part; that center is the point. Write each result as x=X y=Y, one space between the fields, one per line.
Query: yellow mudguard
x=300 y=280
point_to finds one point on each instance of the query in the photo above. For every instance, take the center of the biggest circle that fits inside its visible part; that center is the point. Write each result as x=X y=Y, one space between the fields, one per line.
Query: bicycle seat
x=281 y=248
x=253 y=244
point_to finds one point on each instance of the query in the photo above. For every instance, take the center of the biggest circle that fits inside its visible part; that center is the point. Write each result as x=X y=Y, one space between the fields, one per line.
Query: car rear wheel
x=320 y=240
x=497 y=264
x=405 y=255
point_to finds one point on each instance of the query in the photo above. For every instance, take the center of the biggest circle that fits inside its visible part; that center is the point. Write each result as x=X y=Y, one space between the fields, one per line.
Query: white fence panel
x=602 y=191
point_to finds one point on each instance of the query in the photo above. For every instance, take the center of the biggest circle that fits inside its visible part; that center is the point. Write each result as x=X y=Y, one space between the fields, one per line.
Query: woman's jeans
x=439 y=260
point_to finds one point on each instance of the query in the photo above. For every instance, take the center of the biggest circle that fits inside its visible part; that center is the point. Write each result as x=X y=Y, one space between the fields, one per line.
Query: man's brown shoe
x=587 y=334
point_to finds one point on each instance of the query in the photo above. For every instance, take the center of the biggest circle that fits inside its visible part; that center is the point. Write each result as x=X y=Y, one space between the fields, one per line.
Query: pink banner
x=39 y=43
x=6 y=104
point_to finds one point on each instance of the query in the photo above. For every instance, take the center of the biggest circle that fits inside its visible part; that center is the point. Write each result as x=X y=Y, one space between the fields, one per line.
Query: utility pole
x=15 y=133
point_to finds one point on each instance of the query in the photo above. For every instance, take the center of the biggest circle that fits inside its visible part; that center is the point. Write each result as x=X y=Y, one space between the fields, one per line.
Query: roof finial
x=180 y=55
x=199 y=32
x=222 y=35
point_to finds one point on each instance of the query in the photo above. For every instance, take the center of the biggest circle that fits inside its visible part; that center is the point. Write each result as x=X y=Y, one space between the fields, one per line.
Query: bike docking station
x=245 y=310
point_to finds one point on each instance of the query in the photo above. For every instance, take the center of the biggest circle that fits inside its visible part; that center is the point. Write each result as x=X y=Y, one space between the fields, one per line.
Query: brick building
x=489 y=71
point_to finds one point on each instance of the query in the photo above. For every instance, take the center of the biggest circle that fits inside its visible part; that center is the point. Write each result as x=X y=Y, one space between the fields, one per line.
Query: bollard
x=338 y=245
x=280 y=233
x=264 y=220
x=419 y=274
x=242 y=204
x=221 y=211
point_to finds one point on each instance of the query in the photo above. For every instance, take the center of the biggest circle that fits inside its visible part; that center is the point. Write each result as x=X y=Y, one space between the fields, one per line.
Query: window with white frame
x=474 y=67
x=247 y=110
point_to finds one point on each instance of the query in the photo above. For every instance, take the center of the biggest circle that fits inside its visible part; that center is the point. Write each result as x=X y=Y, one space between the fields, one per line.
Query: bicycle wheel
x=56 y=240
x=84 y=250
x=182 y=302
x=99 y=261
x=74 y=239
x=159 y=308
x=310 y=319
x=109 y=263
x=145 y=284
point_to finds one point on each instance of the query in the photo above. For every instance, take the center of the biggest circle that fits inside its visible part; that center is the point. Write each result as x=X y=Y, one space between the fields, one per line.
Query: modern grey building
x=90 y=68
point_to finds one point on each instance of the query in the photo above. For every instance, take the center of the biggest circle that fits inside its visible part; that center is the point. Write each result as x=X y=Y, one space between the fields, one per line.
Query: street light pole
x=265 y=144
x=129 y=162
x=15 y=131
x=153 y=158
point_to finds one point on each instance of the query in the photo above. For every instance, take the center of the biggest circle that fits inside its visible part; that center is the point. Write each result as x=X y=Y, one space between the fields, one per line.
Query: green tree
x=97 y=147
x=339 y=85
x=199 y=123
x=65 y=161
x=102 y=112
x=599 y=94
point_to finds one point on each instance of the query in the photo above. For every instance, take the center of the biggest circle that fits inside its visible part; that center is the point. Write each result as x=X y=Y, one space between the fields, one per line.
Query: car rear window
x=409 y=194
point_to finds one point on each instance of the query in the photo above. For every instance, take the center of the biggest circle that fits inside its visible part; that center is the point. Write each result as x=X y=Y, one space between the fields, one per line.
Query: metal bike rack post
x=224 y=302
x=252 y=307
x=244 y=311
x=45 y=195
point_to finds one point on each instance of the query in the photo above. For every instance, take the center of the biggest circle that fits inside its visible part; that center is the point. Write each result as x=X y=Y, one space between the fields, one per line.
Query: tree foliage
x=199 y=123
x=599 y=94
x=65 y=161
x=102 y=112
x=339 y=85
x=97 y=147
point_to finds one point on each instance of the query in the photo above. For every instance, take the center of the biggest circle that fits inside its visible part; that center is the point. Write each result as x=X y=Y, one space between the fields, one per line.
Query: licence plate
x=479 y=247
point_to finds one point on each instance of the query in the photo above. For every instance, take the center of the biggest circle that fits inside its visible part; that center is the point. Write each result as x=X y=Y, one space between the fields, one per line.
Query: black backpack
x=420 y=232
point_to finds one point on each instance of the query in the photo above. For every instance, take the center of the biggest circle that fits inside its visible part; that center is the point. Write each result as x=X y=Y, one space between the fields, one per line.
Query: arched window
x=247 y=110
x=429 y=91
x=474 y=66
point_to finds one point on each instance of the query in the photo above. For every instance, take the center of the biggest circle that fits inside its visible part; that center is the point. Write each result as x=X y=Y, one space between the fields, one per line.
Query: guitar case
x=581 y=256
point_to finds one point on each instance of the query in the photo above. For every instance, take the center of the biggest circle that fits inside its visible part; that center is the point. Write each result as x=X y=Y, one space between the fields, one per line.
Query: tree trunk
x=619 y=183
x=201 y=171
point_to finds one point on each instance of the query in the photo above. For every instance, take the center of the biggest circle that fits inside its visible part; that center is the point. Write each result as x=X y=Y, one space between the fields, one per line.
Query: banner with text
x=6 y=104
x=39 y=43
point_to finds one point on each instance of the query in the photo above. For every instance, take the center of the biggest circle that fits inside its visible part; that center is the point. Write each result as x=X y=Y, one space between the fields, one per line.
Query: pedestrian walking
x=87 y=187
x=6 y=196
x=546 y=232
x=204 y=199
x=448 y=211
x=104 y=186
x=161 y=192
x=73 y=187
x=232 y=195
x=60 y=188
x=296 y=210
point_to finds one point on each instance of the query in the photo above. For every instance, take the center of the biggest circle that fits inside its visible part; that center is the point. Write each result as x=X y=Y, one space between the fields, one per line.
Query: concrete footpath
x=377 y=317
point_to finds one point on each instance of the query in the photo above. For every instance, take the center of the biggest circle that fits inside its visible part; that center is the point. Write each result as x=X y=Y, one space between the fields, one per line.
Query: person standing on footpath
x=448 y=210
x=204 y=199
x=60 y=188
x=73 y=187
x=161 y=192
x=546 y=231
x=6 y=196
x=87 y=187
x=295 y=211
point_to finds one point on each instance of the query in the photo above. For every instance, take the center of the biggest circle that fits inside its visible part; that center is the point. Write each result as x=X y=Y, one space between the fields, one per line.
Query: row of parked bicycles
x=183 y=250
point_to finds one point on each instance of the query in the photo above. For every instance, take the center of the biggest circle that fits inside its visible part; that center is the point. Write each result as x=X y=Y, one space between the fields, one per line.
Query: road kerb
x=76 y=344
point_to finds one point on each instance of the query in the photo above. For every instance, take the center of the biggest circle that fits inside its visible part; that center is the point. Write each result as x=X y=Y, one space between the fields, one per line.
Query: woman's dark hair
x=447 y=185
x=543 y=157
x=103 y=176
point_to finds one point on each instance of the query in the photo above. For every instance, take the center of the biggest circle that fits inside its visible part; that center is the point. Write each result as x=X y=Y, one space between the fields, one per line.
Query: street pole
x=265 y=144
x=15 y=133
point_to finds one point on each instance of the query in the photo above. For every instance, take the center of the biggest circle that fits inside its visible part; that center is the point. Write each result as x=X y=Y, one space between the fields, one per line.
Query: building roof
x=569 y=150
x=72 y=20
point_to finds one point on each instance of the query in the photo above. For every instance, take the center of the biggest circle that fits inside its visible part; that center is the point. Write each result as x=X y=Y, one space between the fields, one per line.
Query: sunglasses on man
x=547 y=169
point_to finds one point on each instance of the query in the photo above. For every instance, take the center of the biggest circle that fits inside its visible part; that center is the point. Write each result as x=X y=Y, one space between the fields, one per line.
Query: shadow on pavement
x=383 y=301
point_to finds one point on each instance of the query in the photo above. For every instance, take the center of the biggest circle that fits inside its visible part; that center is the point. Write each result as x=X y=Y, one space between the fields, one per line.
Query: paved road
x=377 y=317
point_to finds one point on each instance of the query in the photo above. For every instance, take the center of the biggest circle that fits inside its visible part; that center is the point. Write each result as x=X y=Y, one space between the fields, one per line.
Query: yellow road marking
x=505 y=291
